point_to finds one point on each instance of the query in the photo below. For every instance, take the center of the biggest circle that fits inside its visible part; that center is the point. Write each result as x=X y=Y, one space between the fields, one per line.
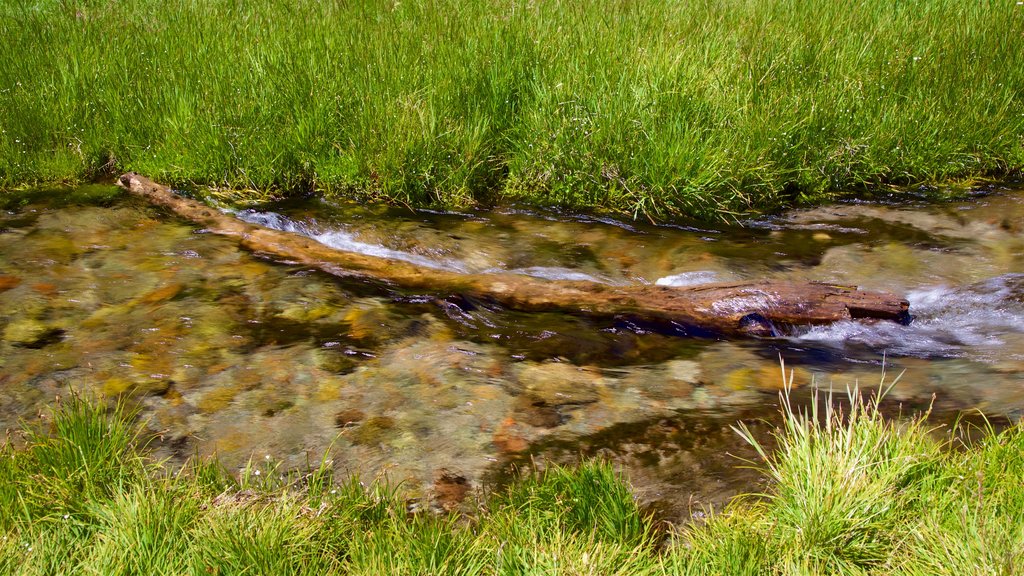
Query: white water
x=690 y=278
x=344 y=241
x=947 y=321
x=556 y=273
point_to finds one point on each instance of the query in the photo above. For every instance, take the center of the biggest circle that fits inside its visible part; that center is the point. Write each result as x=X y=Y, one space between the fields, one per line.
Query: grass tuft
x=844 y=482
x=85 y=453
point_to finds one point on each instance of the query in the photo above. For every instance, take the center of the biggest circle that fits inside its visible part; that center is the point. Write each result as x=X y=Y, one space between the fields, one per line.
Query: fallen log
x=757 y=308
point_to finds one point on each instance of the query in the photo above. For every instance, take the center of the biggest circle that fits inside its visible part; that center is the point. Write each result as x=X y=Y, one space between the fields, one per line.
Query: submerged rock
x=118 y=386
x=348 y=418
x=537 y=412
x=335 y=359
x=30 y=333
x=449 y=491
x=374 y=431
x=509 y=438
x=371 y=322
x=560 y=384
x=8 y=282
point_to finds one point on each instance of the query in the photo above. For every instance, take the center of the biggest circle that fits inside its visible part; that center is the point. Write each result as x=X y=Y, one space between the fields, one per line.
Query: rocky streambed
x=230 y=353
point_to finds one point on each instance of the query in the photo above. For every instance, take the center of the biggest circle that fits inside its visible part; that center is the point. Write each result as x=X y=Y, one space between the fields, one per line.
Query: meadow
x=849 y=492
x=705 y=108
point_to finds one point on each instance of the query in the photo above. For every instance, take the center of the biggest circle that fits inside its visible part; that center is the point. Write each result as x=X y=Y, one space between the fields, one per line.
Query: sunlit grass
x=643 y=107
x=850 y=492
x=844 y=484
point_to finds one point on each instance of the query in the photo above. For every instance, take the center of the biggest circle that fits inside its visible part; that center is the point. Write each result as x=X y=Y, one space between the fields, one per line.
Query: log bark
x=757 y=308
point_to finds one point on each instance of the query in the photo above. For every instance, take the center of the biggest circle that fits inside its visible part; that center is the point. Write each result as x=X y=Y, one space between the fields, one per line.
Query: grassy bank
x=853 y=494
x=641 y=106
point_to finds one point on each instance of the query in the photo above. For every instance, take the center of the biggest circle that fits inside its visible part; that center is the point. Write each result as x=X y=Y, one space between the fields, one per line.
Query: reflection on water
x=231 y=354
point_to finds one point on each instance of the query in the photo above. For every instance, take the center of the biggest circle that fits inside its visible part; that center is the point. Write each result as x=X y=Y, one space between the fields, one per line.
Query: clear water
x=231 y=354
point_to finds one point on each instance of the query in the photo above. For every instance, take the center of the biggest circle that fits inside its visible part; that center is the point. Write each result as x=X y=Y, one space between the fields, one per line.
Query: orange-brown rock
x=45 y=288
x=8 y=282
x=728 y=308
x=449 y=490
x=508 y=437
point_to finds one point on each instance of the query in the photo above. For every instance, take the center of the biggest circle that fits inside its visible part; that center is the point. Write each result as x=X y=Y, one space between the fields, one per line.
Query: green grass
x=850 y=492
x=645 y=107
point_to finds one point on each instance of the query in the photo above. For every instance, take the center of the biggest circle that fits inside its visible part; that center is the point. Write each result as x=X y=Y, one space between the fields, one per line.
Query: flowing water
x=232 y=354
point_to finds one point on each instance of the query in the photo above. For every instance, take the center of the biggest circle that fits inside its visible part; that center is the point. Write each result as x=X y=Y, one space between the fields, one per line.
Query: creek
x=231 y=354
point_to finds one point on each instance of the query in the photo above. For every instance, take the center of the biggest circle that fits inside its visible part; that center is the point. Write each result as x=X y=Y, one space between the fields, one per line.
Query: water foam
x=947 y=321
x=556 y=273
x=344 y=241
x=689 y=278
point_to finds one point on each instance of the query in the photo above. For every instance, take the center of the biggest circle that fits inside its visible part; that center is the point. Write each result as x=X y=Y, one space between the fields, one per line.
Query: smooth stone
x=560 y=384
x=370 y=321
x=218 y=398
x=334 y=360
x=305 y=311
x=508 y=438
x=536 y=412
x=349 y=417
x=31 y=333
x=449 y=491
x=118 y=386
x=8 y=282
x=161 y=294
x=374 y=431
x=686 y=371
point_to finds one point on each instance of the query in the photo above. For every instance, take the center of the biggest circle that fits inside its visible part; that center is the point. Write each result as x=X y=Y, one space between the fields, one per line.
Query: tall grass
x=844 y=485
x=850 y=492
x=646 y=107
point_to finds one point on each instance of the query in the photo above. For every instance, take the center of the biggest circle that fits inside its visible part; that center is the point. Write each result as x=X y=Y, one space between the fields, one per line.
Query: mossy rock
x=349 y=417
x=371 y=322
x=30 y=333
x=218 y=398
x=374 y=431
x=306 y=311
x=118 y=386
x=334 y=360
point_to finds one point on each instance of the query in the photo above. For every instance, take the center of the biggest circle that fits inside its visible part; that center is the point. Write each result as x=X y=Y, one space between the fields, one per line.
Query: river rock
x=161 y=294
x=560 y=384
x=371 y=322
x=120 y=386
x=374 y=431
x=536 y=412
x=306 y=310
x=334 y=360
x=449 y=491
x=349 y=417
x=8 y=282
x=737 y=368
x=31 y=333
x=218 y=398
x=672 y=382
x=509 y=437
x=764 y=377
x=682 y=371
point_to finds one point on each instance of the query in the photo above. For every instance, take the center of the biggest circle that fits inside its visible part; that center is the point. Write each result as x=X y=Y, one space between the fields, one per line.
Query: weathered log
x=732 y=308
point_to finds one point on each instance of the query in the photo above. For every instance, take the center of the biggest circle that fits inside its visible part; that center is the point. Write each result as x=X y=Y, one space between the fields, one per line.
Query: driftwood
x=756 y=308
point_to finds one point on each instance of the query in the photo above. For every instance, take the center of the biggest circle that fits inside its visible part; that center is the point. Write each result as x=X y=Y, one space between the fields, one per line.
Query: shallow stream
x=232 y=354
